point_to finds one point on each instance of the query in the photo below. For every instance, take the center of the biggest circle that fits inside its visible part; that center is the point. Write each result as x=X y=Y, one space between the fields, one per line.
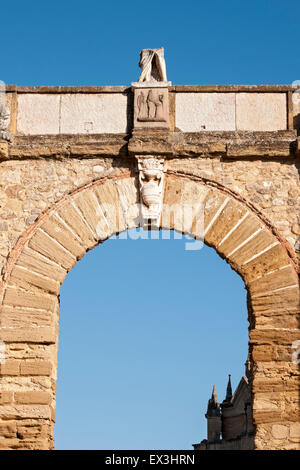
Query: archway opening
x=146 y=328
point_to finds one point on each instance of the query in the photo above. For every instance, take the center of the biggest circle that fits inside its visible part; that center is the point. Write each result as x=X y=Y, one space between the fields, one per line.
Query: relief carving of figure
x=142 y=106
x=153 y=65
x=152 y=107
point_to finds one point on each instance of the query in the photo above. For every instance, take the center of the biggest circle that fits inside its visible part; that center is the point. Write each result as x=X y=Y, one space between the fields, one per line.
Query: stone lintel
x=43 y=146
x=225 y=144
x=231 y=145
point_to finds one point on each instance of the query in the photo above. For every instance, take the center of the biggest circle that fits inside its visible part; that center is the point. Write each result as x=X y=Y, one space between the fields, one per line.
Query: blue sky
x=97 y=43
x=147 y=327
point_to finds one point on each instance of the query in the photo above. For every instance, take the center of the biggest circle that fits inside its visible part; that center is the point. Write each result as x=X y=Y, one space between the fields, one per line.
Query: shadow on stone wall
x=297 y=123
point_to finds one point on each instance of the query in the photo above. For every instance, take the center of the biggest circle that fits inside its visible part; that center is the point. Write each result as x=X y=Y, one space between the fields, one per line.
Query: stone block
x=262 y=353
x=21 y=298
x=171 y=217
x=214 y=203
x=48 y=247
x=57 y=230
x=183 y=206
x=128 y=193
x=295 y=430
x=196 y=112
x=271 y=260
x=258 y=243
x=92 y=214
x=109 y=200
x=228 y=218
x=277 y=319
x=37 y=334
x=9 y=367
x=6 y=397
x=281 y=302
x=33 y=430
x=37 y=367
x=280 y=431
x=275 y=280
x=239 y=235
x=38 y=114
x=32 y=260
x=264 y=148
x=8 y=429
x=10 y=444
x=32 y=397
x=270 y=384
x=261 y=111
x=193 y=216
x=273 y=337
x=74 y=218
x=25 y=411
x=93 y=113
x=23 y=278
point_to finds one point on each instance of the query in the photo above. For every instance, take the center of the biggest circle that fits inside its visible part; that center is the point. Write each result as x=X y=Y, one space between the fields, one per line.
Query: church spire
x=213 y=407
x=214 y=394
x=228 y=390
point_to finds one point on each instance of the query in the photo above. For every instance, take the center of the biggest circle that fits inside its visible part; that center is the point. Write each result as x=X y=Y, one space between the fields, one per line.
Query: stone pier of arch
x=72 y=156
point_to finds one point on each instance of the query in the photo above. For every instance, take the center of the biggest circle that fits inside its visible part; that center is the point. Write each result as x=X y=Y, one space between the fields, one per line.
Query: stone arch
x=66 y=231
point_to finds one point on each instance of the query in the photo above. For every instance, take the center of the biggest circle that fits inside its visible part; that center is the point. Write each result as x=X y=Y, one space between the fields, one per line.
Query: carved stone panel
x=151 y=107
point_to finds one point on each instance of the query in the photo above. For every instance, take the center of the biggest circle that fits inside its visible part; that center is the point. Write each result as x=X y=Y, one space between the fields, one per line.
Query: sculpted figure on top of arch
x=153 y=65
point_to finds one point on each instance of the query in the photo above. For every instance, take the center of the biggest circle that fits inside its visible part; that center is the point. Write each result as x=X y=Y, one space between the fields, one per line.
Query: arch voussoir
x=40 y=264
x=57 y=229
x=274 y=258
x=282 y=277
x=229 y=218
x=52 y=249
x=28 y=279
x=242 y=232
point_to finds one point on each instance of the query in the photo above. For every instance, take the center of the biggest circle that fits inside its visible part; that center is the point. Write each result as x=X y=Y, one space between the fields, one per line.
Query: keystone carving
x=151 y=179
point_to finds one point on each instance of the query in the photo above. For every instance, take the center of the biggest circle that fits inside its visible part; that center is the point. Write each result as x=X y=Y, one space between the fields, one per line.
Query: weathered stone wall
x=55 y=195
x=29 y=187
